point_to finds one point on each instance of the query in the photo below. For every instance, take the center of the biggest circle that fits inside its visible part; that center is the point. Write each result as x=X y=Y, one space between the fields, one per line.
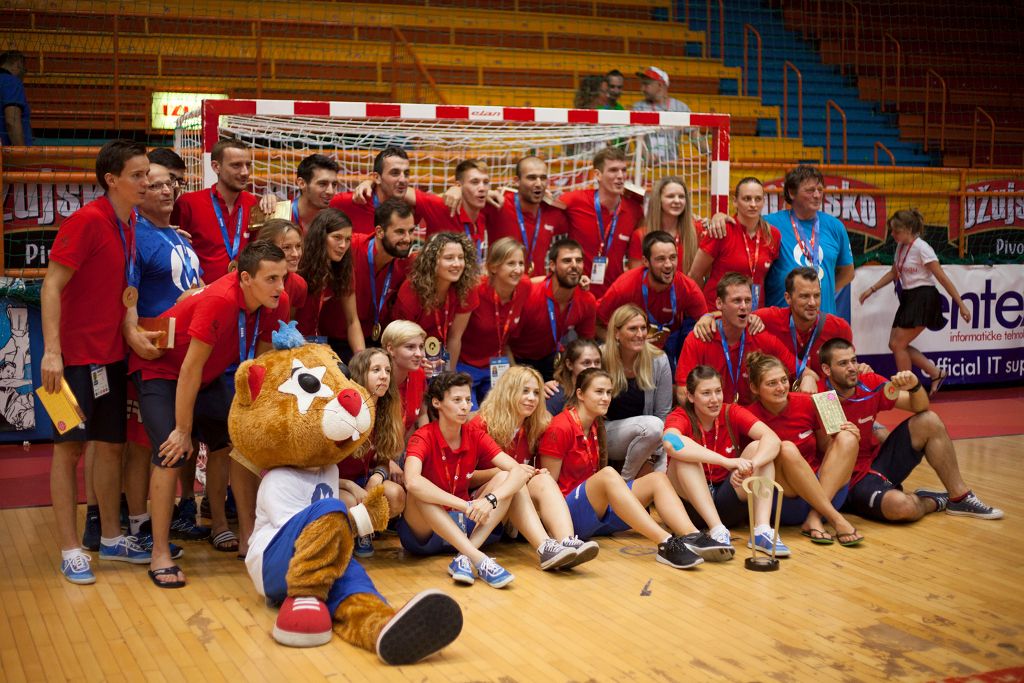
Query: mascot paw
x=377 y=505
x=303 y=622
x=429 y=622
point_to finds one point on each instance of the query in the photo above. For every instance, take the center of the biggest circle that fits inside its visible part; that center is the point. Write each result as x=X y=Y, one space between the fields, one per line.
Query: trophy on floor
x=762 y=487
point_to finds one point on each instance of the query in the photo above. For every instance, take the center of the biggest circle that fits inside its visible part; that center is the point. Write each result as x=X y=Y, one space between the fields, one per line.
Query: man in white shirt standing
x=663 y=146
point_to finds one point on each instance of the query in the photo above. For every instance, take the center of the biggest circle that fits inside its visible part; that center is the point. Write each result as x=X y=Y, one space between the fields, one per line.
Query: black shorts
x=895 y=461
x=105 y=418
x=210 y=415
x=545 y=366
x=732 y=511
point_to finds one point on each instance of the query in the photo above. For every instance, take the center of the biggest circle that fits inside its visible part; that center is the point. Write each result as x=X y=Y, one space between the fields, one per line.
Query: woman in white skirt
x=915 y=270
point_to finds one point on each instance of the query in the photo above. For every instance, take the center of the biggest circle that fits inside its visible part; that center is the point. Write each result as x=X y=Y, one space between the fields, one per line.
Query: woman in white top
x=915 y=269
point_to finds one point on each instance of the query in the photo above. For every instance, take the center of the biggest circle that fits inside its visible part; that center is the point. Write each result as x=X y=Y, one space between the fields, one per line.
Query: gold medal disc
x=130 y=297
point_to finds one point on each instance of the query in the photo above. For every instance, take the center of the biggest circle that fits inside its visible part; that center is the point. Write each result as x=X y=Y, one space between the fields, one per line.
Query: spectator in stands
x=329 y=314
x=15 y=124
x=602 y=220
x=385 y=253
x=502 y=292
x=389 y=178
x=915 y=268
x=439 y=296
x=663 y=146
x=317 y=182
x=287 y=236
x=750 y=246
x=875 y=490
x=579 y=355
x=615 y=81
x=403 y=340
x=808 y=237
x=91 y=279
x=528 y=215
x=592 y=93
x=670 y=210
x=557 y=311
x=641 y=394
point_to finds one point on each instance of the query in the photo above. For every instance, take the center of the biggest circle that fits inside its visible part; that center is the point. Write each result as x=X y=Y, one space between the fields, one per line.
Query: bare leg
x=217 y=489
x=90 y=460
x=551 y=506
x=899 y=344
x=763 y=505
x=656 y=488
x=64 y=491
x=834 y=473
x=136 y=477
x=524 y=516
x=107 y=484
x=396 y=498
x=245 y=485
x=163 y=484
x=922 y=361
x=689 y=482
x=796 y=477
x=187 y=475
x=607 y=489
x=425 y=519
x=928 y=434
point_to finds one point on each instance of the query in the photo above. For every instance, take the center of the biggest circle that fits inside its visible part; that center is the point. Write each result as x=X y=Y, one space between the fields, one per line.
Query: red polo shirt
x=628 y=289
x=449 y=469
x=295 y=286
x=518 y=449
x=776 y=323
x=717 y=438
x=411 y=392
x=798 y=422
x=492 y=324
x=636 y=243
x=362 y=215
x=438 y=218
x=91 y=308
x=533 y=338
x=399 y=269
x=583 y=227
x=436 y=322
x=580 y=455
x=738 y=253
x=696 y=352
x=193 y=213
x=211 y=316
x=863 y=414
x=505 y=223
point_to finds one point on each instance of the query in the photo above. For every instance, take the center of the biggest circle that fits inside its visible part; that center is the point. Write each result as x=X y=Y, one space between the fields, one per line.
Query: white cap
x=653 y=73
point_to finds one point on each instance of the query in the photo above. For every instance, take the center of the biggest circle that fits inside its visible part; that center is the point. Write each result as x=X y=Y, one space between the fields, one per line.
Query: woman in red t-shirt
x=372 y=369
x=514 y=415
x=287 y=236
x=794 y=419
x=729 y=445
x=669 y=210
x=749 y=247
x=439 y=294
x=329 y=314
x=600 y=502
x=403 y=340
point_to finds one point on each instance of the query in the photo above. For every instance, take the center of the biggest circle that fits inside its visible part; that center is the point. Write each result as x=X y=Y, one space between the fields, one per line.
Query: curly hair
x=388 y=438
x=500 y=413
x=315 y=266
x=423 y=276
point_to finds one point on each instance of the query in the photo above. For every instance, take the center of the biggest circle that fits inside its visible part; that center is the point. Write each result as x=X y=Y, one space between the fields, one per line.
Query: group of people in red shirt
x=614 y=360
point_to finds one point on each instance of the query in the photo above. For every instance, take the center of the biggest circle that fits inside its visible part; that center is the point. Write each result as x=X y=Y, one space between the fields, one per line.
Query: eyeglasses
x=168 y=184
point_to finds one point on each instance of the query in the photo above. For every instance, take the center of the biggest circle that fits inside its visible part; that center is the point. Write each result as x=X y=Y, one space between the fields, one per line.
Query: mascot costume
x=297 y=415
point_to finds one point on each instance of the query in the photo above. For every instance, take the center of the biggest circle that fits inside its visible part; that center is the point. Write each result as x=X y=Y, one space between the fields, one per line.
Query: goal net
x=437 y=137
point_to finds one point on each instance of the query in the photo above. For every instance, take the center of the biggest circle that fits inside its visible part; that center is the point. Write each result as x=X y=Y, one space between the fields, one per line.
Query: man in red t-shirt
x=556 y=311
x=220 y=325
x=732 y=337
x=875 y=488
x=528 y=217
x=317 y=181
x=472 y=216
x=92 y=279
x=603 y=220
x=218 y=218
x=658 y=288
x=390 y=178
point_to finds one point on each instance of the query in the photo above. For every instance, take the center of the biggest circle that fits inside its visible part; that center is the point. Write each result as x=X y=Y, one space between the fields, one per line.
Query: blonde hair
x=686 y=232
x=399 y=332
x=501 y=414
x=644 y=367
x=388 y=438
x=499 y=252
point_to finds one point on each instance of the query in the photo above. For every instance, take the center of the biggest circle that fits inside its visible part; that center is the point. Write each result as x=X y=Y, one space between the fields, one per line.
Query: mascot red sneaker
x=297 y=415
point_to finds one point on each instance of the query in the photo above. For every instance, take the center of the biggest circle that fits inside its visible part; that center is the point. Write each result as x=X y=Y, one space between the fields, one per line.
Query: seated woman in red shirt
x=439 y=295
x=440 y=515
x=372 y=369
x=793 y=417
x=749 y=246
x=502 y=293
x=403 y=340
x=513 y=414
x=730 y=445
x=600 y=502
x=288 y=238
x=329 y=314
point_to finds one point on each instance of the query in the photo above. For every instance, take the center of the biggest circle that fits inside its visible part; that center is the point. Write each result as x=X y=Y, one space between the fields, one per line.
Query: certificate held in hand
x=830 y=410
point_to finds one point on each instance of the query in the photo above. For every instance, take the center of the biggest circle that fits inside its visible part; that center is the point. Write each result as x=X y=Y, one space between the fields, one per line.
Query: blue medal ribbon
x=606 y=241
x=131 y=266
x=295 y=214
x=802 y=360
x=231 y=247
x=551 y=316
x=734 y=375
x=863 y=387
x=247 y=353
x=672 y=298
x=191 y=275
x=378 y=304
x=522 y=229
x=477 y=243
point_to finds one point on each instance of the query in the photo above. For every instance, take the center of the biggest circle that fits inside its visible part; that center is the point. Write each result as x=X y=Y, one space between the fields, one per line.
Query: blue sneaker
x=145 y=541
x=493 y=574
x=125 y=550
x=763 y=543
x=461 y=570
x=77 y=570
x=364 y=547
x=184 y=525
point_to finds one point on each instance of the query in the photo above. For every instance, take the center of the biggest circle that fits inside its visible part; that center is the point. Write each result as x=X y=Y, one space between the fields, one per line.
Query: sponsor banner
x=990 y=348
x=860 y=212
x=168 y=106
x=988 y=213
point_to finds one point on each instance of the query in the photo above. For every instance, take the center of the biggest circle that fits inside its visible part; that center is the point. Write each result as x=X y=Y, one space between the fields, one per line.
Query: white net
x=435 y=147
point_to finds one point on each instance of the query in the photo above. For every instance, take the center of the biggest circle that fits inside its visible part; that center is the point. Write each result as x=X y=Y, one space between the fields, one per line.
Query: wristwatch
x=493 y=500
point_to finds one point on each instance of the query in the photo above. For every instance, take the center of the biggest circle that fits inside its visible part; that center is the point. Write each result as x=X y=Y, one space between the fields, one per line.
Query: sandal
x=937 y=382
x=173 y=570
x=225 y=542
x=818 y=536
x=850 y=539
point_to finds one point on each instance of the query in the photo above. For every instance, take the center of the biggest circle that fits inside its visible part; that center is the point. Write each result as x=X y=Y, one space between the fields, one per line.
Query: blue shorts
x=210 y=414
x=795 y=510
x=435 y=545
x=585 y=521
x=281 y=549
x=731 y=510
x=481 y=382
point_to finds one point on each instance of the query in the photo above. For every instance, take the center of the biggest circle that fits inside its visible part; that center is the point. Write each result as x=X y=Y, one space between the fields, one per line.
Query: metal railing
x=398 y=38
x=786 y=66
x=747 y=30
x=888 y=38
x=829 y=106
x=974 y=137
x=927 y=108
x=881 y=145
x=856 y=38
x=721 y=29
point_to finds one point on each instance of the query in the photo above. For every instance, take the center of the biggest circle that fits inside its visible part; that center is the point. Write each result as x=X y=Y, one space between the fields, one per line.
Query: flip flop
x=852 y=539
x=937 y=382
x=225 y=542
x=174 y=569
x=817 y=536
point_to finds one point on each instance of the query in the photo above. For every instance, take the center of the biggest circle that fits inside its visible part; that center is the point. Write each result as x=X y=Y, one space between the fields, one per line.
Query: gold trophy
x=762 y=487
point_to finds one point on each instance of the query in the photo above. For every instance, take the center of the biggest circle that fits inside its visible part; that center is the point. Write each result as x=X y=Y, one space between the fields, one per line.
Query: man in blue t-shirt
x=15 y=128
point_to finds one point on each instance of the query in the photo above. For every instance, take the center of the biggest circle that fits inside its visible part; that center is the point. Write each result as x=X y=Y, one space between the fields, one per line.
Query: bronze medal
x=130 y=297
x=232 y=266
x=375 y=332
x=890 y=391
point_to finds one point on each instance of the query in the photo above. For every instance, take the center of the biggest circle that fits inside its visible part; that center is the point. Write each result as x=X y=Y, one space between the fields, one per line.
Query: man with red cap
x=654 y=82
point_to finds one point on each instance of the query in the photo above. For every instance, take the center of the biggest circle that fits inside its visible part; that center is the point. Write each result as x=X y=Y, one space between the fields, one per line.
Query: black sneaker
x=941 y=498
x=675 y=553
x=145 y=539
x=183 y=525
x=971 y=506
x=91 y=535
x=708 y=548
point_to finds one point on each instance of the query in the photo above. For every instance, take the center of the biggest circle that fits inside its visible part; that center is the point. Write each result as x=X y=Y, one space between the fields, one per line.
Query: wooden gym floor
x=936 y=599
